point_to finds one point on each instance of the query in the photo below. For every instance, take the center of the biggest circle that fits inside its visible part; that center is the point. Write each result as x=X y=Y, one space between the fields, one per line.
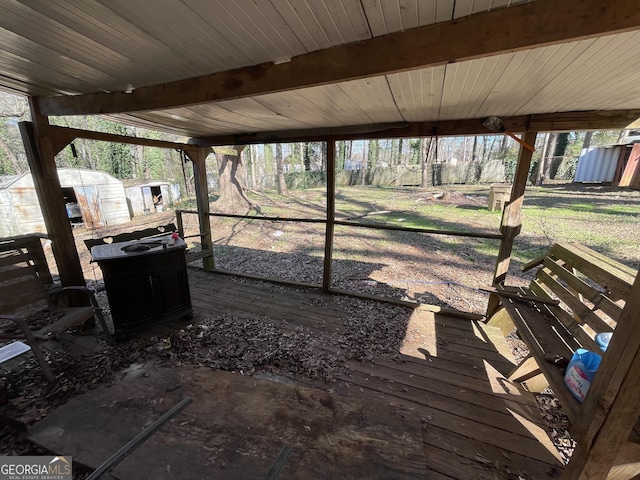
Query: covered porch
x=329 y=74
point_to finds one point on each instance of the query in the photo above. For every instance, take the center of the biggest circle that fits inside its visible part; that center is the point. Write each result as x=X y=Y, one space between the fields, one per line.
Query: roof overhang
x=542 y=65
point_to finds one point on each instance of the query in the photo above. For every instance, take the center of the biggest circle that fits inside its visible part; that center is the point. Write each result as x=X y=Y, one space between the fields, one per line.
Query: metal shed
x=601 y=164
x=92 y=199
x=149 y=197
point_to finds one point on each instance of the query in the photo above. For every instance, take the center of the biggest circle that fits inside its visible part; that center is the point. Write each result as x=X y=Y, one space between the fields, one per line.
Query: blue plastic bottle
x=580 y=372
x=603 y=339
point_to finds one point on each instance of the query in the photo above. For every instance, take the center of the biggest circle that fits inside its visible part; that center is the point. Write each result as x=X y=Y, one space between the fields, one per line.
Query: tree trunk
x=586 y=143
x=372 y=154
x=549 y=147
x=484 y=148
x=282 y=185
x=365 y=155
x=323 y=150
x=562 y=141
x=474 y=153
x=307 y=152
x=551 y=166
x=254 y=157
x=491 y=147
x=503 y=148
x=425 y=152
x=233 y=198
x=300 y=154
x=340 y=155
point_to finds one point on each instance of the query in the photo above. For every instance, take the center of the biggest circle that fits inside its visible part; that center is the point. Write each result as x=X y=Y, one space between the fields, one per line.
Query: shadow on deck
x=475 y=423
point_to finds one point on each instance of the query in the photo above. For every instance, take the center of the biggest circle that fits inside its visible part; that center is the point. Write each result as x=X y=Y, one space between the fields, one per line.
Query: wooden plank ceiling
x=65 y=47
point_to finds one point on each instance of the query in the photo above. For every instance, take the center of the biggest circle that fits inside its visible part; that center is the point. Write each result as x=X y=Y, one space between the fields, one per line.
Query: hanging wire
x=183 y=160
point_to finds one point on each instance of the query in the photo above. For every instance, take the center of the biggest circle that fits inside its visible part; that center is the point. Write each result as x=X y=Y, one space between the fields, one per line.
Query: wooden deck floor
x=475 y=424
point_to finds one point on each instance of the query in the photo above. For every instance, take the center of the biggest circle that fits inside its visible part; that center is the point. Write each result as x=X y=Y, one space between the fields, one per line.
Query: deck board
x=452 y=373
x=234 y=429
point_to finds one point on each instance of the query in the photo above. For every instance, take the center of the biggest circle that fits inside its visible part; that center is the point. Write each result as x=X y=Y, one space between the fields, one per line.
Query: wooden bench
x=27 y=311
x=191 y=256
x=31 y=245
x=579 y=293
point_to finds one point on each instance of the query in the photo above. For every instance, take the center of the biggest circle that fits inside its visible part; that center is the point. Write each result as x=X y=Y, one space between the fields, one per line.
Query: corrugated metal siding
x=77 y=177
x=24 y=207
x=8 y=221
x=135 y=200
x=166 y=195
x=113 y=204
x=27 y=210
x=598 y=164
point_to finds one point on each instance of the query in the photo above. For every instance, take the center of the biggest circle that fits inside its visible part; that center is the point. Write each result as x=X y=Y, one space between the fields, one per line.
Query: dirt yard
x=442 y=270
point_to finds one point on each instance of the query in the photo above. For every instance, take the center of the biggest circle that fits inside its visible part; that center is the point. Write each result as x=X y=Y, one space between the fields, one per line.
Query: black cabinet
x=144 y=287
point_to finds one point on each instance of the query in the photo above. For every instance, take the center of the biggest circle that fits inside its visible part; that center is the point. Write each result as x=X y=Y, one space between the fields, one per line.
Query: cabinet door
x=131 y=298
x=170 y=290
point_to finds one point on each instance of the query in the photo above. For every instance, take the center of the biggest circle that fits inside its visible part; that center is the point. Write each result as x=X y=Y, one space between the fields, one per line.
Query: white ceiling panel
x=74 y=47
x=418 y=93
x=374 y=97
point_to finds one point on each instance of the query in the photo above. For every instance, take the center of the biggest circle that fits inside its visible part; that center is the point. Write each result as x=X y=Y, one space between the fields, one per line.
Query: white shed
x=92 y=198
x=150 y=197
x=602 y=164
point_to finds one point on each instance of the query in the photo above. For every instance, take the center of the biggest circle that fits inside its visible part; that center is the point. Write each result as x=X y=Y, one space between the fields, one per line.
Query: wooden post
x=40 y=155
x=512 y=218
x=179 y=223
x=611 y=405
x=331 y=215
x=202 y=199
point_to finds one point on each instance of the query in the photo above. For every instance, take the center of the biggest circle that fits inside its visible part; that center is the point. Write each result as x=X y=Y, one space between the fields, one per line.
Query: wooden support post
x=179 y=223
x=40 y=155
x=331 y=215
x=202 y=199
x=611 y=404
x=512 y=219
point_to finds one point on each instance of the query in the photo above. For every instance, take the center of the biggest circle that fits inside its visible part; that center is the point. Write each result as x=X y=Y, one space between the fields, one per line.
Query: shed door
x=631 y=175
x=147 y=198
x=90 y=206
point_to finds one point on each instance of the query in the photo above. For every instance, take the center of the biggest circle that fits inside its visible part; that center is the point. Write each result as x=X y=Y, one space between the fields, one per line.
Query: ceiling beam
x=62 y=136
x=564 y=121
x=525 y=26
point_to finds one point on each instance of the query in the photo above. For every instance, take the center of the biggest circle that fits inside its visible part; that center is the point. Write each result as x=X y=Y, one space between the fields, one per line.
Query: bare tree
x=282 y=185
x=233 y=197
x=547 y=151
x=425 y=154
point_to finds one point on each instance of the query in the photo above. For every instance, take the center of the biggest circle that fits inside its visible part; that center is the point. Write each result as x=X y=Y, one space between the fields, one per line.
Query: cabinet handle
x=153 y=293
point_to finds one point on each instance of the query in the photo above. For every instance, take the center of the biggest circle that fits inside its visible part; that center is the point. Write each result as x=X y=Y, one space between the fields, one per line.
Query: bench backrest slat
x=583 y=338
x=598 y=298
x=582 y=313
x=615 y=281
x=127 y=236
x=20 y=287
x=558 y=268
x=618 y=268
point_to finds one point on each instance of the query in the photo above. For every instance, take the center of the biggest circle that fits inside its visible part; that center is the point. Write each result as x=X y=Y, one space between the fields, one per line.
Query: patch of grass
x=606 y=219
